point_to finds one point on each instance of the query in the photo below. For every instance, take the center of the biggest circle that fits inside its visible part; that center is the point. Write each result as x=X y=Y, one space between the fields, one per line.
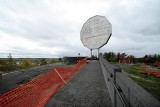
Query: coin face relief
x=96 y=32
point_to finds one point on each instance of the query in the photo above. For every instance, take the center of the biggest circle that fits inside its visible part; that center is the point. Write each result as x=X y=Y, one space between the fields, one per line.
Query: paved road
x=86 y=89
x=12 y=80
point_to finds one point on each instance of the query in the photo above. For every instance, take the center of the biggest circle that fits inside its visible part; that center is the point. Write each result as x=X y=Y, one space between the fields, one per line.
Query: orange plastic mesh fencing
x=152 y=72
x=38 y=91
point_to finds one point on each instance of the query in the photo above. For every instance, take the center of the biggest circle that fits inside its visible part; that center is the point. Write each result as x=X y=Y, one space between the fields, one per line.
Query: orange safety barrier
x=38 y=91
x=159 y=66
x=157 y=74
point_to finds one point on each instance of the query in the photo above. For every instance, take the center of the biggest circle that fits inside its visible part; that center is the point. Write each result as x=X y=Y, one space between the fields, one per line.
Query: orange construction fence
x=157 y=74
x=38 y=91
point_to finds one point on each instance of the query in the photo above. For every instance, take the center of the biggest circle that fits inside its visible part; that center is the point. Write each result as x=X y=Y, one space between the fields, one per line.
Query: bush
x=26 y=64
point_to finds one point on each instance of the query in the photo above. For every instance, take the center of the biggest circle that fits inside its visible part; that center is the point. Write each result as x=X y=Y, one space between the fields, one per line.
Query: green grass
x=148 y=82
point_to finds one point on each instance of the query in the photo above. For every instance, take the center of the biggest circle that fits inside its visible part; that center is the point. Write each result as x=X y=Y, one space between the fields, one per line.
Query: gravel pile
x=14 y=79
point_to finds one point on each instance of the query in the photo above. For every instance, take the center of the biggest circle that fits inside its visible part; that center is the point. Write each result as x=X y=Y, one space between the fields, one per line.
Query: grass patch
x=148 y=82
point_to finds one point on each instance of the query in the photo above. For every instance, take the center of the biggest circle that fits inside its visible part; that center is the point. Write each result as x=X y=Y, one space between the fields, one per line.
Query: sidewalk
x=86 y=89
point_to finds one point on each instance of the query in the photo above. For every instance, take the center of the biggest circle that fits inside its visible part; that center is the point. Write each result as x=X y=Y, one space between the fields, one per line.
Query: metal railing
x=117 y=89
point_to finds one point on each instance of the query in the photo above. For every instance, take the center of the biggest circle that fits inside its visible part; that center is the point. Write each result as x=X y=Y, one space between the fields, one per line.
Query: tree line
x=10 y=64
x=116 y=57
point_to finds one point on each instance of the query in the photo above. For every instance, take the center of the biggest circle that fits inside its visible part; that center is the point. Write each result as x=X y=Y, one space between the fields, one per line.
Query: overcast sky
x=51 y=28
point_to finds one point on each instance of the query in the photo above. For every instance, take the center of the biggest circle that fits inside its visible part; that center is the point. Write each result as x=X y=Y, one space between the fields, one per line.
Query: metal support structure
x=91 y=54
x=98 y=53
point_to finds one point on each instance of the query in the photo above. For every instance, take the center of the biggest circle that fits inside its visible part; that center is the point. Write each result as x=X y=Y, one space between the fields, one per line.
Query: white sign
x=96 y=32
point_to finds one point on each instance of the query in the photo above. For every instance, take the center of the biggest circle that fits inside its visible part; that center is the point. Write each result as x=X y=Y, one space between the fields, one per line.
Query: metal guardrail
x=117 y=89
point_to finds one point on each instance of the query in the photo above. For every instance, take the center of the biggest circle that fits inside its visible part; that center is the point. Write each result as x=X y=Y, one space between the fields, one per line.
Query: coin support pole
x=98 y=53
x=91 y=54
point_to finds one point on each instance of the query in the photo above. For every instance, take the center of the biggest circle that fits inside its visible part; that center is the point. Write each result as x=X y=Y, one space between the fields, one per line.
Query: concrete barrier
x=123 y=91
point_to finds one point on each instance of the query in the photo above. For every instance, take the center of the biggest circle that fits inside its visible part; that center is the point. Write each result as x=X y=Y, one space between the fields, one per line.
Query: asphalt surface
x=14 y=79
x=86 y=89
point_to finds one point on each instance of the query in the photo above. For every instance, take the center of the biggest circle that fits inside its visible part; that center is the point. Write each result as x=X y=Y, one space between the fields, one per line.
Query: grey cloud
x=151 y=30
x=135 y=25
x=142 y=17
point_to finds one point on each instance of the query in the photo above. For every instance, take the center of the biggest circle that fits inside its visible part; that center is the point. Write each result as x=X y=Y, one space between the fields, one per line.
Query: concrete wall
x=132 y=93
